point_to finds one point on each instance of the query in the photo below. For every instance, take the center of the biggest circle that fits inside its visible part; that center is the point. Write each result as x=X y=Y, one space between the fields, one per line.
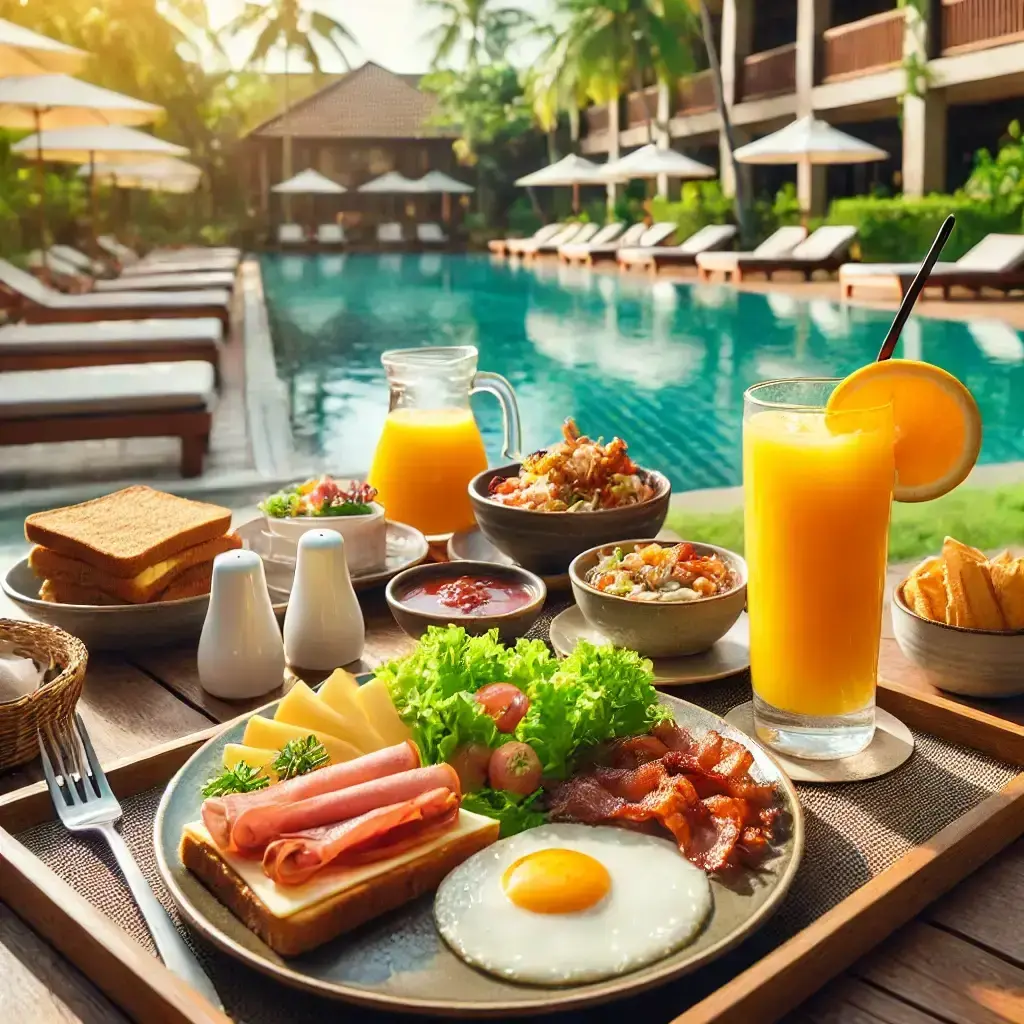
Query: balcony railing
x=861 y=47
x=769 y=73
x=696 y=94
x=596 y=119
x=641 y=107
x=975 y=24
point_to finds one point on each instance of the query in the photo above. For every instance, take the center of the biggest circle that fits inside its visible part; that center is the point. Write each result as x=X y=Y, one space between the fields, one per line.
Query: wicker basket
x=54 y=701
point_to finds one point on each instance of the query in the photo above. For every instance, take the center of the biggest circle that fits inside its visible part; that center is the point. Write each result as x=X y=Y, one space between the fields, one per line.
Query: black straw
x=915 y=289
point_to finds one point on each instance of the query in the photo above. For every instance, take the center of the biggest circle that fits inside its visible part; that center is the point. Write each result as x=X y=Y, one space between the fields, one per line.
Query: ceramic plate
x=399 y=962
x=116 y=627
x=406 y=547
x=473 y=546
x=730 y=655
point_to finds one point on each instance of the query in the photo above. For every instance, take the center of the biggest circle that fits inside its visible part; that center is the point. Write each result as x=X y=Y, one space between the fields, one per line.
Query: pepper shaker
x=241 y=654
x=323 y=627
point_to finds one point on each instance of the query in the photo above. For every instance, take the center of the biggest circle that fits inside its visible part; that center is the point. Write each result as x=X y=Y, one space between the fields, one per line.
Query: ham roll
x=257 y=826
x=222 y=814
x=382 y=832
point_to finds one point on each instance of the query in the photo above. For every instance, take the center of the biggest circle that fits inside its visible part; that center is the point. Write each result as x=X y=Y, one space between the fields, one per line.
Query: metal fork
x=85 y=803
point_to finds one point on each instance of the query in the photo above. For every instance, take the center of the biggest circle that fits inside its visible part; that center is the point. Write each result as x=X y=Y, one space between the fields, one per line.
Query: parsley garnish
x=300 y=756
x=243 y=778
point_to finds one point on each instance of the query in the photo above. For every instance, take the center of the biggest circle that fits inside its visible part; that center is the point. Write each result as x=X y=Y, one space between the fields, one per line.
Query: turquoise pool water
x=660 y=364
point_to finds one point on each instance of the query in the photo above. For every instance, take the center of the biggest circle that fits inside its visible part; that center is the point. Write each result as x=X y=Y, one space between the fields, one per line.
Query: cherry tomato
x=515 y=767
x=470 y=762
x=505 y=703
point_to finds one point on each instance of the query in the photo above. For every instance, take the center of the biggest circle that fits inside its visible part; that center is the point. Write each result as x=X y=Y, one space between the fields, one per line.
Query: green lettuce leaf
x=515 y=813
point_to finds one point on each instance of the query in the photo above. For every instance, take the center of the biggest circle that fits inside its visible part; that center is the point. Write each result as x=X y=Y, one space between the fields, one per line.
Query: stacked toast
x=135 y=546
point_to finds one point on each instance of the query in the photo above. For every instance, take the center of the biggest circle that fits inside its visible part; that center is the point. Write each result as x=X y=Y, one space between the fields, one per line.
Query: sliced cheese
x=267 y=733
x=285 y=900
x=301 y=706
x=375 y=700
x=254 y=757
x=340 y=693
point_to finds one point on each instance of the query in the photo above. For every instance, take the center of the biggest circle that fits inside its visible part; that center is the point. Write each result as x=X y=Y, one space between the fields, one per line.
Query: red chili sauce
x=469 y=595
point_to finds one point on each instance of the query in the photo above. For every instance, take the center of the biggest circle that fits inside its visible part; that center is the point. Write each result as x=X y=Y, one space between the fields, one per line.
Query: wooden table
x=962 y=961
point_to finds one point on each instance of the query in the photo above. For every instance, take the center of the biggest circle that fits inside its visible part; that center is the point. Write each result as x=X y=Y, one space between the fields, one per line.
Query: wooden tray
x=765 y=991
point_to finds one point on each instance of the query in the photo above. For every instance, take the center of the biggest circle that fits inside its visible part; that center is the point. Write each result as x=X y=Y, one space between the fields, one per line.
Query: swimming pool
x=660 y=364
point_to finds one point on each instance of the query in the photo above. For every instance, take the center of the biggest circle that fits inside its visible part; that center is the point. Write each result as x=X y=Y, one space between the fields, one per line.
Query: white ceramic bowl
x=971 y=662
x=365 y=537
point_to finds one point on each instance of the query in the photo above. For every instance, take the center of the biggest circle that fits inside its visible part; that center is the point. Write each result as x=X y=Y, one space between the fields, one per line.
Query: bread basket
x=55 y=699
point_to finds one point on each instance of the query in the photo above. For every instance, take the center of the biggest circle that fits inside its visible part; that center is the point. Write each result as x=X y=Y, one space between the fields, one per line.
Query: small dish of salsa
x=476 y=595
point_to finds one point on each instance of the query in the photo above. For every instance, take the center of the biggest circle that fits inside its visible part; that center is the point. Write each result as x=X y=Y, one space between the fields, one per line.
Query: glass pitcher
x=430 y=447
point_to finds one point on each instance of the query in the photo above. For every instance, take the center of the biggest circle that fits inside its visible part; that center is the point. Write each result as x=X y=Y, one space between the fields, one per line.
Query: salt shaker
x=323 y=627
x=240 y=651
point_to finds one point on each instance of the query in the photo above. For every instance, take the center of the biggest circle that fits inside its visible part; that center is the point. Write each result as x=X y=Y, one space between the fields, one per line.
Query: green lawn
x=989 y=518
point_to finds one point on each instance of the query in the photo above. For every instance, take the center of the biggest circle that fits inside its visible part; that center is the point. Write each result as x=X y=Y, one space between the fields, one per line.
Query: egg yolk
x=556 y=882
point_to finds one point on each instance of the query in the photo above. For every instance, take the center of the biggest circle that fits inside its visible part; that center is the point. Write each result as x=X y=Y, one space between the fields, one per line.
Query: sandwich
x=135 y=546
x=302 y=861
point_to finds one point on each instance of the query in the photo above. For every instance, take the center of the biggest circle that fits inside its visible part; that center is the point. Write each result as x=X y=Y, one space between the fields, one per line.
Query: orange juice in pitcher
x=430 y=447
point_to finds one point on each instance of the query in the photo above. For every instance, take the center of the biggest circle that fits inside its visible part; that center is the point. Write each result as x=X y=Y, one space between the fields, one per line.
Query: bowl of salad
x=559 y=501
x=661 y=599
x=322 y=503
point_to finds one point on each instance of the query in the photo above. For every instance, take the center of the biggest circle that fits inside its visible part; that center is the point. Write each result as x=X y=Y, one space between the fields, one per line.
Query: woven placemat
x=853 y=832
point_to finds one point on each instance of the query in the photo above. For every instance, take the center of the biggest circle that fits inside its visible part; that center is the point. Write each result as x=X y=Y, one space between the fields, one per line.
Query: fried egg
x=564 y=904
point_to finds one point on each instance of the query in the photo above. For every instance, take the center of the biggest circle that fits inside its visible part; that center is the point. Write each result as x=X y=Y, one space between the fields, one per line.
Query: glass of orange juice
x=430 y=447
x=818 y=491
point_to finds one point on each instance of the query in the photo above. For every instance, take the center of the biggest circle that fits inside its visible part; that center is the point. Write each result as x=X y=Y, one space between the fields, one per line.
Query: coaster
x=893 y=743
x=727 y=657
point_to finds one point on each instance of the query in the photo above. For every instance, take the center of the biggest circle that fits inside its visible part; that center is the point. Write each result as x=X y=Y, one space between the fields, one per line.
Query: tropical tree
x=478 y=27
x=291 y=26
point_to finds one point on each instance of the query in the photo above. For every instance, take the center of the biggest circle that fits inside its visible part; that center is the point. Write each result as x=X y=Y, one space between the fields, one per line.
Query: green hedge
x=700 y=203
x=900 y=229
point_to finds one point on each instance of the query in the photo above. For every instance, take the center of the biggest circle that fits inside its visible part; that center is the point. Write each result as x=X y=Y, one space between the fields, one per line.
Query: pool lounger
x=330 y=235
x=95 y=268
x=825 y=249
x=577 y=250
x=98 y=402
x=574 y=233
x=106 y=342
x=653 y=235
x=430 y=234
x=504 y=246
x=390 y=234
x=127 y=256
x=38 y=303
x=996 y=262
x=167 y=282
x=709 y=237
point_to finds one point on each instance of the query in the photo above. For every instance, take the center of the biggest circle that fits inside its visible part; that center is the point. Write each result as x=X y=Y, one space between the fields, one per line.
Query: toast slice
x=127 y=531
x=336 y=900
x=140 y=589
x=193 y=582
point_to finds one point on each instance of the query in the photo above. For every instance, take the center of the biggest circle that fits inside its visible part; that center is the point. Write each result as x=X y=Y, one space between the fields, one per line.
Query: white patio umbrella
x=571 y=170
x=59 y=101
x=391 y=182
x=160 y=176
x=97 y=144
x=24 y=52
x=651 y=162
x=809 y=141
x=309 y=182
x=438 y=181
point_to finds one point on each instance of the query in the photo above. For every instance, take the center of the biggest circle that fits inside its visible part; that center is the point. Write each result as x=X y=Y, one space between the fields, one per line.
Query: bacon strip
x=379 y=833
x=221 y=814
x=260 y=825
x=700 y=792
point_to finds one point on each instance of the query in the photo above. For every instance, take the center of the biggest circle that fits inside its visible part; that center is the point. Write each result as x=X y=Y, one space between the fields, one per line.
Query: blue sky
x=390 y=32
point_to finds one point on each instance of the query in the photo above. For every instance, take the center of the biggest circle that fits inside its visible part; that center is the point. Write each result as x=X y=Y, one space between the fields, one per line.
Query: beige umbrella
x=810 y=141
x=438 y=181
x=24 y=52
x=59 y=101
x=651 y=161
x=392 y=182
x=96 y=144
x=308 y=182
x=571 y=170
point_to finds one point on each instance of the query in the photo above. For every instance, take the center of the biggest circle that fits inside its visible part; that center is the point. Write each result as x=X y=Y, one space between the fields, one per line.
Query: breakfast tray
x=877 y=852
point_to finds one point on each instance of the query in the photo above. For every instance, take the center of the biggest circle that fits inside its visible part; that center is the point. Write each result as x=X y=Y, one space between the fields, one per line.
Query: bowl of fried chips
x=959 y=616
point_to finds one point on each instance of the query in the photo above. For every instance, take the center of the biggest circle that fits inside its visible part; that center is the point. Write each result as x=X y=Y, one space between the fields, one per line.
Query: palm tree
x=476 y=25
x=293 y=26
